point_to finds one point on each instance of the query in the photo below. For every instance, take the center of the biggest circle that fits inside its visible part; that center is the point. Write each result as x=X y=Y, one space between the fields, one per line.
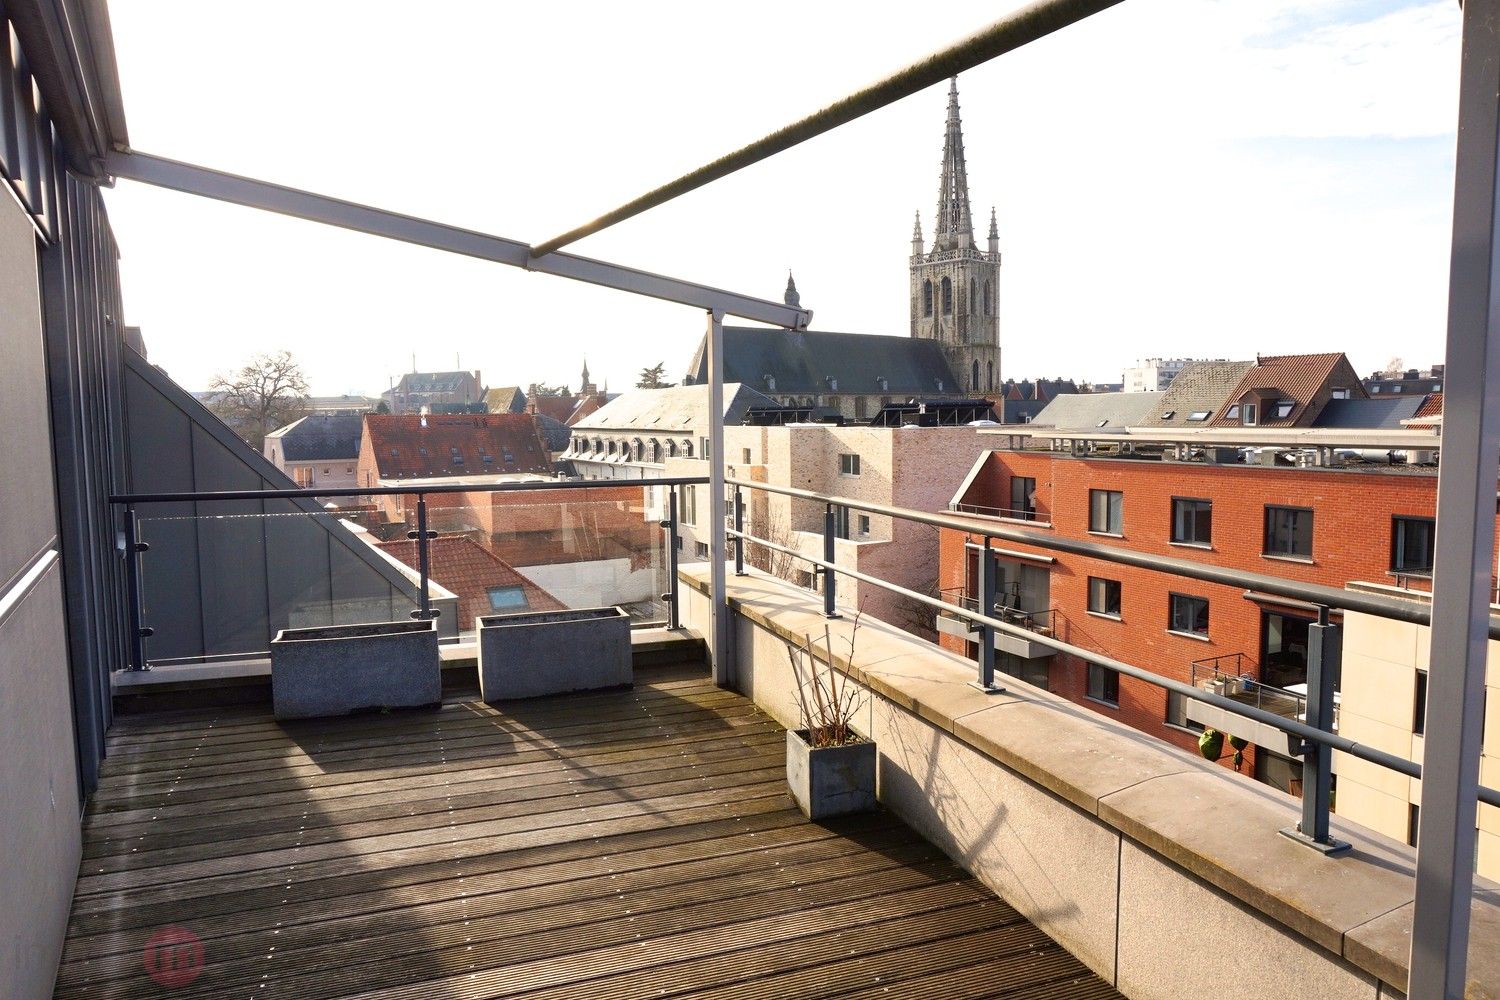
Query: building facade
x=416 y=390
x=955 y=285
x=321 y=450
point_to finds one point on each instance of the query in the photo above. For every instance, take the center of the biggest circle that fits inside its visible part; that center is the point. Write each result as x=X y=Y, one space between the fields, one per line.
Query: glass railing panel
x=219 y=585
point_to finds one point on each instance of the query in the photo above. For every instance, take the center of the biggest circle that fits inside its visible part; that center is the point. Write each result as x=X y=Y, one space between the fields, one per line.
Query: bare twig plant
x=827 y=699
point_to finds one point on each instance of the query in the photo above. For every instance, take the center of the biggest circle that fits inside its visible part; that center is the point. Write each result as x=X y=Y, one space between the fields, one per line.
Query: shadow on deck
x=621 y=844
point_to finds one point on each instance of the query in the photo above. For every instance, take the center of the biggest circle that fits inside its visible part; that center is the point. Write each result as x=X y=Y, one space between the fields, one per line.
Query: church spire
x=994 y=232
x=955 y=228
x=916 y=235
x=791 y=297
x=585 y=371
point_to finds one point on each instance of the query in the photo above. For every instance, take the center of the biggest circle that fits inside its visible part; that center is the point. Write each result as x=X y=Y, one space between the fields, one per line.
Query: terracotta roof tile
x=1432 y=406
x=1297 y=377
x=471 y=571
x=410 y=446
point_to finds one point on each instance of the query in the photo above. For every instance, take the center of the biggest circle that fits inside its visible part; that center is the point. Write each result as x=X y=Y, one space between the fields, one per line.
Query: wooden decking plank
x=340 y=819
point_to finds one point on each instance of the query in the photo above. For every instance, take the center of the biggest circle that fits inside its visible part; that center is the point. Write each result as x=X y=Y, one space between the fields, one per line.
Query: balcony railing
x=1009 y=513
x=1041 y=622
x=1231 y=676
x=214 y=576
x=1311 y=722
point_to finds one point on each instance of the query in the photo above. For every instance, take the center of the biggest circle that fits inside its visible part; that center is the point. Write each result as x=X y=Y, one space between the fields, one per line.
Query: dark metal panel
x=10 y=144
x=231 y=553
x=299 y=578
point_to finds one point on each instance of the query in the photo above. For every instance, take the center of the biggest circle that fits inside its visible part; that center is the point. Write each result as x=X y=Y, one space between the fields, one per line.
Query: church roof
x=820 y=362
x=678 y=409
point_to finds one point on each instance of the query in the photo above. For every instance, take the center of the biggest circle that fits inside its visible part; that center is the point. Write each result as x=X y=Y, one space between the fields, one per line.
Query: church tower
x=955 y=288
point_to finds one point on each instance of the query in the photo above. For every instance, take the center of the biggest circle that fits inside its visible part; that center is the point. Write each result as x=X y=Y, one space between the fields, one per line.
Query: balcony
x=1231 y=676
x=630 y=843
x=1042 y=623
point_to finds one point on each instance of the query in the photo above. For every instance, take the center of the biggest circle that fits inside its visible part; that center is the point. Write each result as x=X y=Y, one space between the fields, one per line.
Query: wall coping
x=1220 y=826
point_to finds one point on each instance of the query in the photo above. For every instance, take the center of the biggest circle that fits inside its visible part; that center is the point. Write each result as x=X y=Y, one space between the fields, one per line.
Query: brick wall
x=1352 y=527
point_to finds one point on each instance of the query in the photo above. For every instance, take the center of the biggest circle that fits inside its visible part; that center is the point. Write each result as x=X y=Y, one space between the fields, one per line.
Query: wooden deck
x=614 y=845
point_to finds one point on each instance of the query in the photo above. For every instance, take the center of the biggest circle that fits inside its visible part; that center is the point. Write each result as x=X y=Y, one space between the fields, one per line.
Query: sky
x=1200 y=178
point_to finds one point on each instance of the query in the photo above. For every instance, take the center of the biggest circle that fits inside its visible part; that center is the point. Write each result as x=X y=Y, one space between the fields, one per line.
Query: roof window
x=1198 y=415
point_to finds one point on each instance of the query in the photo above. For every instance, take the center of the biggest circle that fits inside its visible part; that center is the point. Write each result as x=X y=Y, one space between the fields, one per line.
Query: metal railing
x=1044 y=621
x=1009 y=513
x=421 y=532
x=1314 y=725
x=1240 y=684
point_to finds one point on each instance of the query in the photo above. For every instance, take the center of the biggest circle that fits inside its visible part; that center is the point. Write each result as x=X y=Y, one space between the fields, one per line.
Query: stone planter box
x=338 y=669
x=537 y=653
x=830 y=781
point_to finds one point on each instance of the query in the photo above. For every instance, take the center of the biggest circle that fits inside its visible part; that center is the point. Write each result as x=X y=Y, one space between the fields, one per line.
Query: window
x=1106 y=512
x=1104 y=596
x=1341 y=394
x=1188 y=615
x=1023 y=497
x=1374 y=390
x=1250 y=412
x=303 y=474
x=848 y=465
x=987 y=301
x=841 y=522
x=687 y=512
x=700 y=549
x=861 y=408
x=1413 y=823
x=1104 y=685
x=947 y=297
x=1168 y=415
x=1412 y=544
x=703 y=451
x=1396 y=387
x=1192 y=521
x=1289 y=532
x=745 y=456
x=1198 y=416
x=506 y=598
x=1284 y=409
x=1177 y=713
x=1419 y=708
x=1232 y=412
x=864 y=524
x=926 y=298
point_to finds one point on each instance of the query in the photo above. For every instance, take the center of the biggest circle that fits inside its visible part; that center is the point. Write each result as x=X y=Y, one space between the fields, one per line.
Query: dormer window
x=770 y=382
x=833 y=383
x=1284 y=409
x=1250 y=413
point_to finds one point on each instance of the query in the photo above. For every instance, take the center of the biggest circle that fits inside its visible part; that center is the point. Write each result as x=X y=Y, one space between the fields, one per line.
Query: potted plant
x=338 y=669
x=830 y=767
x=535 y=653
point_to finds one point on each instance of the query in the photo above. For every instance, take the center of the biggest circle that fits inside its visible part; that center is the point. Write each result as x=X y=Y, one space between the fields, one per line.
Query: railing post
x=1325 y=646
x=422 y=535
x=674 y=617
x=739 y=527
x=139 y=633
x=830 y=578
x=986 y=681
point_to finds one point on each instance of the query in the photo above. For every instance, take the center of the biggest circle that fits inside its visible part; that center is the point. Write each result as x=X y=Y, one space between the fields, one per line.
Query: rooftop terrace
x=627 y=843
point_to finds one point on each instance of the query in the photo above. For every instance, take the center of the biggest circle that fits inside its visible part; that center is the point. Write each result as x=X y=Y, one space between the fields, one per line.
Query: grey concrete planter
x=538 y=653
x=337 y=669
x=830 y=781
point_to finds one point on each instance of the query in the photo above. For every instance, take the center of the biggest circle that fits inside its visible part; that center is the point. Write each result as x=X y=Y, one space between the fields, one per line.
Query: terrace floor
x=611 y=845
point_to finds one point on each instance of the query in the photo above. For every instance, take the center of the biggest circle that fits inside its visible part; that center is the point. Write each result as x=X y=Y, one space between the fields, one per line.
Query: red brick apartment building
x=1321 y=525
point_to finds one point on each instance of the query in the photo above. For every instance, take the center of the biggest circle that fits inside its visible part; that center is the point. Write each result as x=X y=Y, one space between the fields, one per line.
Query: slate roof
x=678 y=410
x=555 y=433
x=434 y=381
x=466 y=568
x=1382 y=412
x=1202 y=385
x=1097 y=411
x=409 y=446
x=802 y=361
x=1298 y=377
x=505 y=399
x=320 y=437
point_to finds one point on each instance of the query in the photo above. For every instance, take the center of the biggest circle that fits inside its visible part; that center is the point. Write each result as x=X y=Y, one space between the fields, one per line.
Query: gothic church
x=955 y=287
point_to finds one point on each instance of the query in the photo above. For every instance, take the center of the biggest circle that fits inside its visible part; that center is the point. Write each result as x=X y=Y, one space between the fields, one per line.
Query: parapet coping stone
x=1221 y=827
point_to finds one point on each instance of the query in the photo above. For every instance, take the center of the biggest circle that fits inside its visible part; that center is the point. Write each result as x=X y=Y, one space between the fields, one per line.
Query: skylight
x=1198 y=415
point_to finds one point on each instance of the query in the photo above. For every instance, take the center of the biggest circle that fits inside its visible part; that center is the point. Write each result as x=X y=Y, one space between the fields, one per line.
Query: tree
x=383 y=407
x=270 y=391
x=651 y=378
x=551 y=390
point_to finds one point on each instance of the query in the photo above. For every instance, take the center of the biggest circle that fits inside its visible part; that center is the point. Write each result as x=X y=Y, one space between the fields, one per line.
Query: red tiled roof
x=469 y=570
x=586 y=406
x=1298 y=377
x=1432 y=406
x=556 y=407
x=411 y=446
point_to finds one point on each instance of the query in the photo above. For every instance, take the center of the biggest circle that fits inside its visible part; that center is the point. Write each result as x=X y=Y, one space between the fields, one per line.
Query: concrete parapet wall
x=1163 y=873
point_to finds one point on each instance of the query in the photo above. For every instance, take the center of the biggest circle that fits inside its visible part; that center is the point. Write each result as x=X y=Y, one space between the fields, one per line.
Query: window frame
x=1172 y=598
x=516 y=589
x=1176 y=524
x=1102 y=610
x=1112 y=526
x=1099 y=683
x=1266 y=534
x=1398 y=546
x=1027 y=508
x=849 y=464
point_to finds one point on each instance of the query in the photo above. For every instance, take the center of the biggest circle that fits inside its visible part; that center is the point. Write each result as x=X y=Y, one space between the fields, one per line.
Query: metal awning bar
x=221 y=186
x=1036 y=20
